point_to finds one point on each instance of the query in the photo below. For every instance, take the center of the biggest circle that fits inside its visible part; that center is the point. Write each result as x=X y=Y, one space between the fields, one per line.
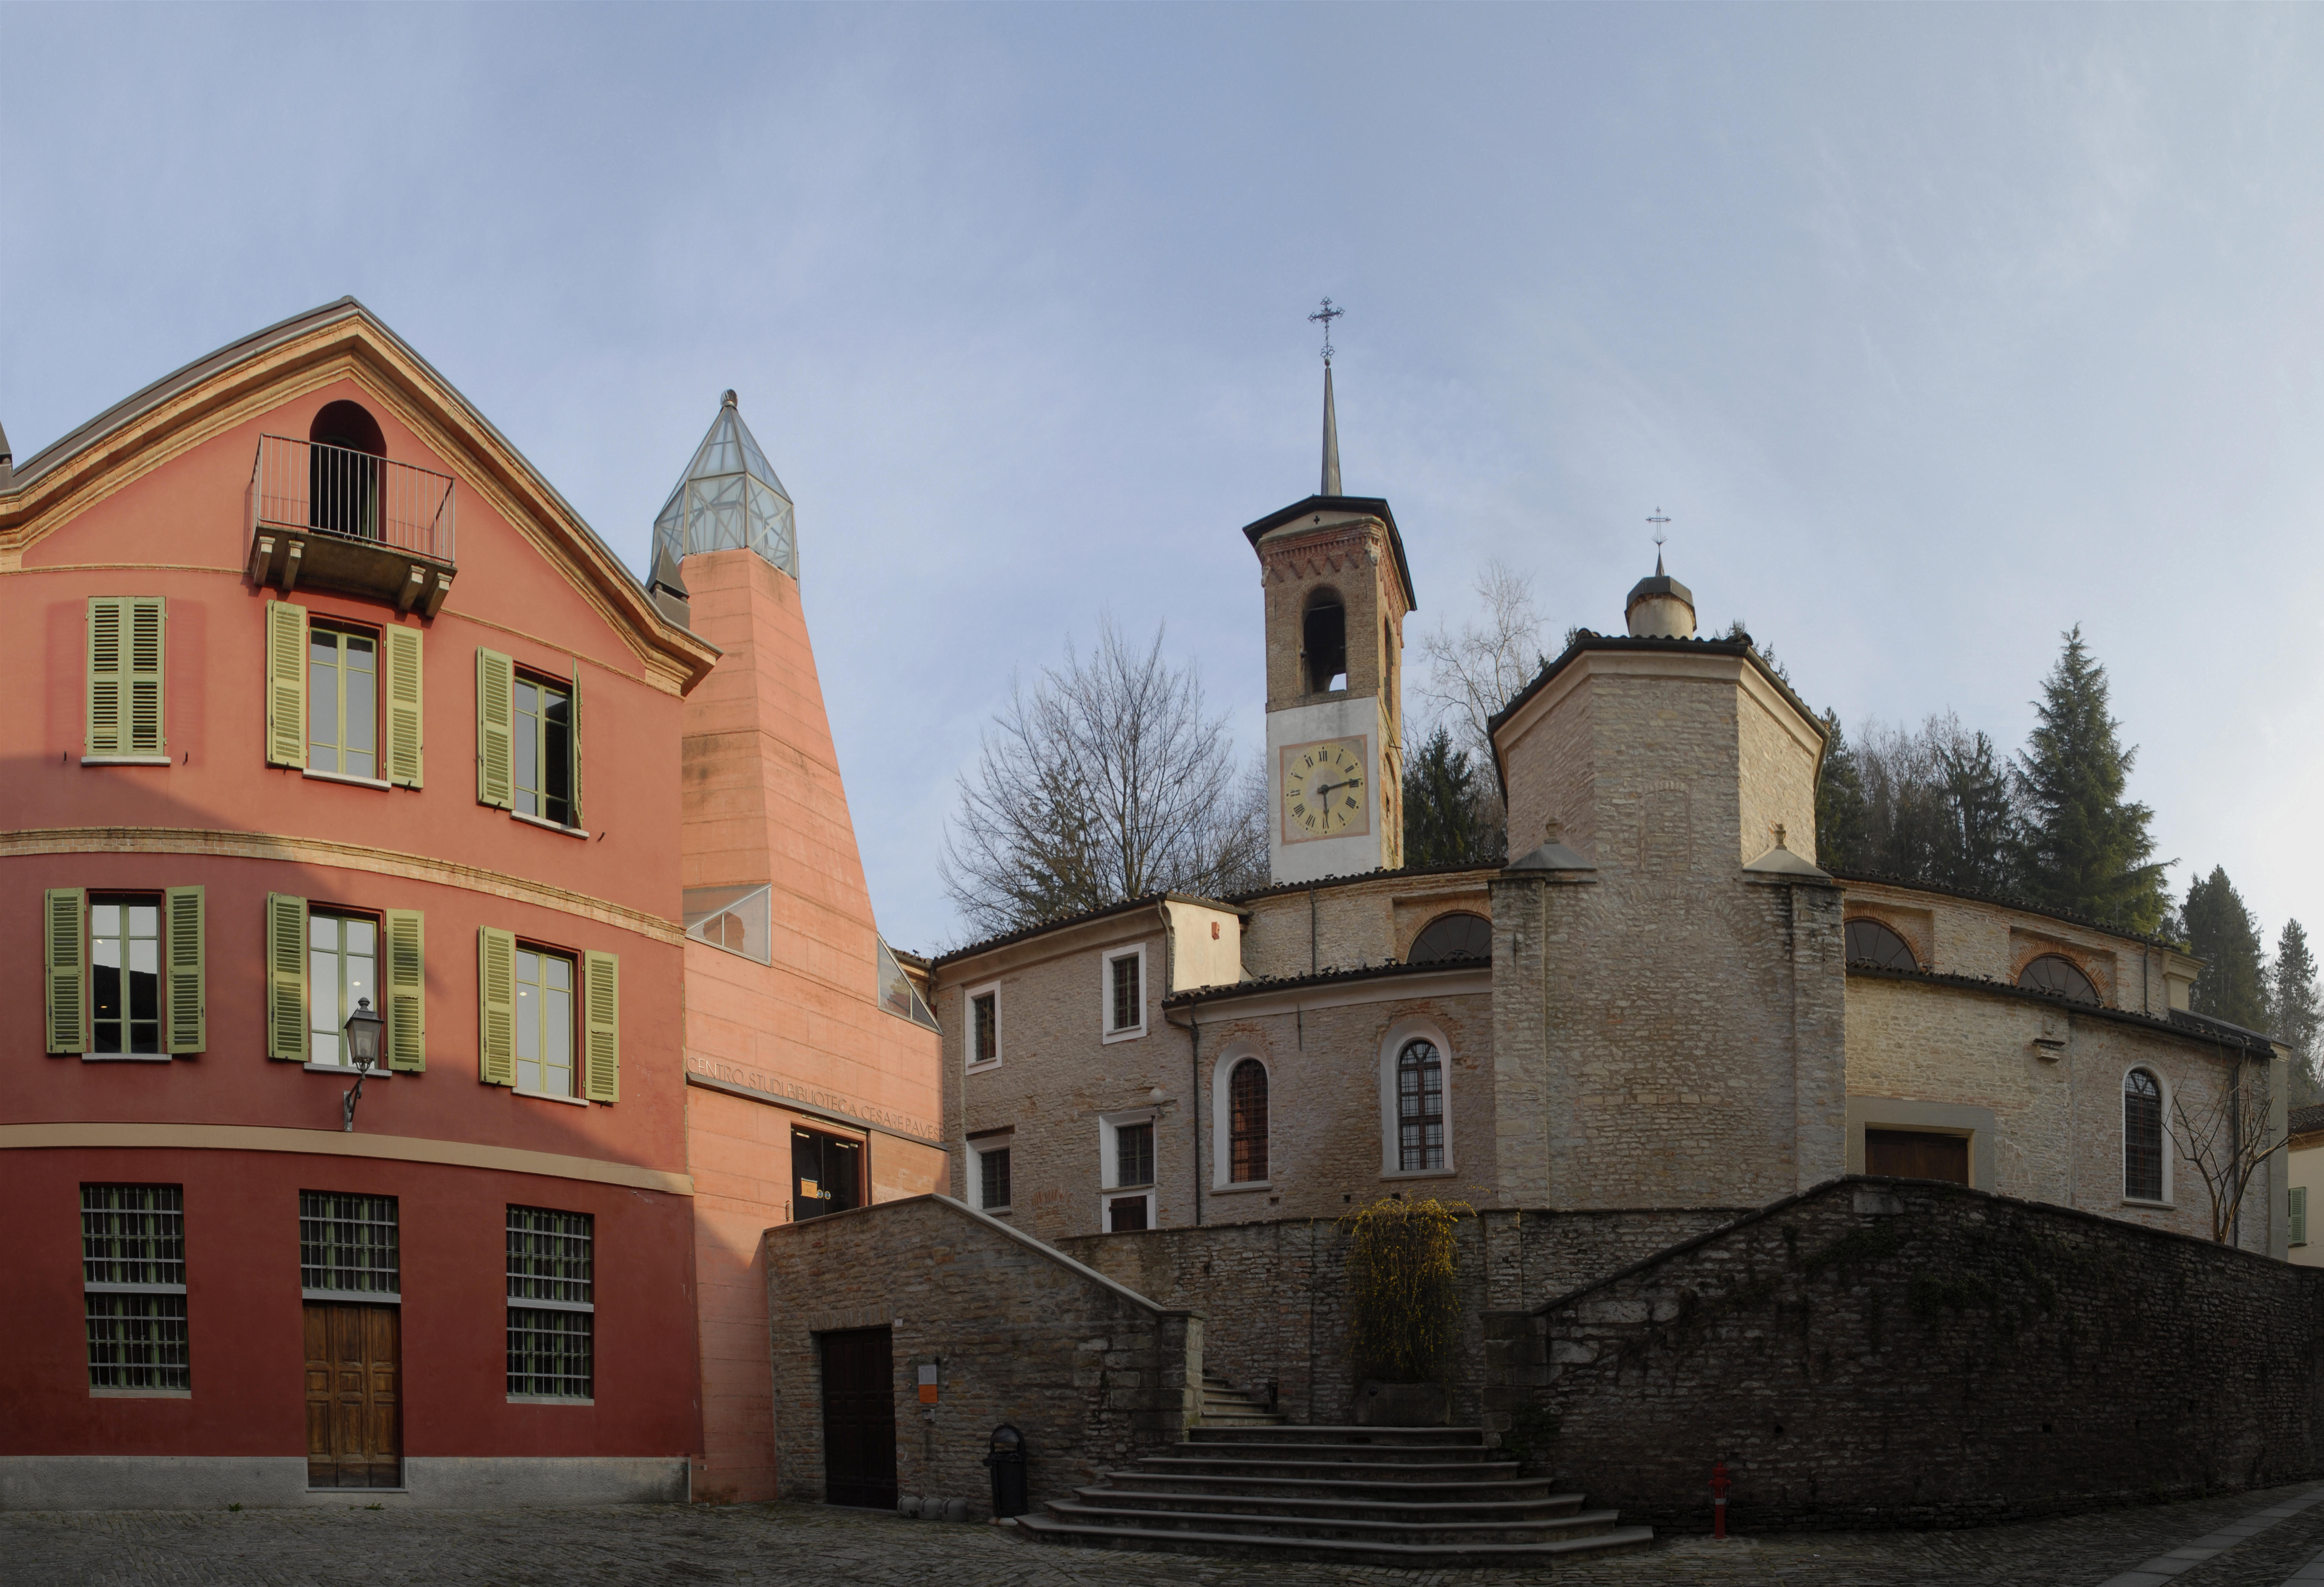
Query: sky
x=1934 y=331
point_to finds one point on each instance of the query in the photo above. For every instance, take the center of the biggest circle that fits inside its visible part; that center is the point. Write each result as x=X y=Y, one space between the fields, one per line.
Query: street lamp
x=363 y=1027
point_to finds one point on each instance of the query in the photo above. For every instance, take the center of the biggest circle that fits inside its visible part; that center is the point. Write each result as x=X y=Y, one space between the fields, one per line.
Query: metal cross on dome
x=1325 y=315
x=1658 y=520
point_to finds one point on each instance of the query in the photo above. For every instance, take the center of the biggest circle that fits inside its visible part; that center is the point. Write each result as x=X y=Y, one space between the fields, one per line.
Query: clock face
x=1324 y=791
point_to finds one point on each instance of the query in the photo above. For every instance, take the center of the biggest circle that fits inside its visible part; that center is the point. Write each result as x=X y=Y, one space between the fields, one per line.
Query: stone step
x=1331 y=1550
x=1311 y=1450
x=1343 y=1471
x=1377 y=1437
x=1223 y=1500
x=1372 y=1487
x=1546 y=1529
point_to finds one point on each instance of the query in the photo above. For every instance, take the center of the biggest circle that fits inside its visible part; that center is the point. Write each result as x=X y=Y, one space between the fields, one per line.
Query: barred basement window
x=347 y=1245
x=133 y=1241
x=551 y=1314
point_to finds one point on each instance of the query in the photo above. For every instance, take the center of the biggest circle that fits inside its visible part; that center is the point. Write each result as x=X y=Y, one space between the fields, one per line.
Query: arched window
x=1247 y=1122
x=1872 y=943
x=2142 y=1136
x=1452 y=937
x=344 y=447
x=1419 y=1108
x=1324 y=641
x=2056 y=973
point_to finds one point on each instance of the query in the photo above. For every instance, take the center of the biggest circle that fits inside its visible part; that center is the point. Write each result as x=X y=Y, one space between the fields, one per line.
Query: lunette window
x=552 y=1304
x=1869 y=942
x=544 y=1022
x=342 y=970
x=1419 y=1108
x=342 y=702
x=543 y=751
x=348 y=1245
x=133 y=1241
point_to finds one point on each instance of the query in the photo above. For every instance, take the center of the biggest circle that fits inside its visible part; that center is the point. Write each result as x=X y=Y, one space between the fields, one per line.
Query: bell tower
x=1337 y=591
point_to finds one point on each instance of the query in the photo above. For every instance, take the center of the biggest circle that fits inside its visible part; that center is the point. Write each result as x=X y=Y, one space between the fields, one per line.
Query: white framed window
x=1240 y=1083
x=2146 y=1137
x=1126 y=1170
x=2297 y=1210
x=989 y=1165
x=348 y=1245
x=1121 y=993
x=980 y=1025
x=1415 y=1080
x=552 y=1305
x=132 y=1246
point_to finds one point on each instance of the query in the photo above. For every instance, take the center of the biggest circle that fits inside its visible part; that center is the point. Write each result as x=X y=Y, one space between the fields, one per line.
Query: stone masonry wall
x=1273 y=1295
x=1091 y=1375
x=1894 y=1353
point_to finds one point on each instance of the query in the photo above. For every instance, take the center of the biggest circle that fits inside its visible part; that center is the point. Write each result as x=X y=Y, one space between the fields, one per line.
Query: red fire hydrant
x=1720 y=1483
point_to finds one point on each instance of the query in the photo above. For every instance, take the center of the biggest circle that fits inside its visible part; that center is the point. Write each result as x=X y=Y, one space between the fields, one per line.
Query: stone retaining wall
x=1896 y=1353
x=1092 y=1374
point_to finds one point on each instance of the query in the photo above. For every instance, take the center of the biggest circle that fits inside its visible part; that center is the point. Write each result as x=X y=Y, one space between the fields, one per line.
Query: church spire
x=1331 y=437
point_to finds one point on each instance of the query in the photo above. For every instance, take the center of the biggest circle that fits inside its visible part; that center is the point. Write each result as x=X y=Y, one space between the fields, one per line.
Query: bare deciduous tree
x=1107 y=782
x=1476 y=671
x=2227 y=1140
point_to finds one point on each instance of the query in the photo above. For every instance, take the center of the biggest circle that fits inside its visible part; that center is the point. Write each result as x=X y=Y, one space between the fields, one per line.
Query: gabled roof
x=222 y=389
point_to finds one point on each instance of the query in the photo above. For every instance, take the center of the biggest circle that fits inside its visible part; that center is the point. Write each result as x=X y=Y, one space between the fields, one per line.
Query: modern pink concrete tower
x=811 y=1057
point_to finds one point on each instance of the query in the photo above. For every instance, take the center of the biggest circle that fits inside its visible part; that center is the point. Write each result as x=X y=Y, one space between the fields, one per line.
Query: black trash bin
x=1006 y=1460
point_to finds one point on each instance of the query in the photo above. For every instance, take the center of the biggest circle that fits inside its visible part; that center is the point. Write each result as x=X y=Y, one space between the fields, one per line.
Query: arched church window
x=2056 y=973
x=1247 y=1122
x=343 y=450
x=2142 y=1136
x=1460 y=936
x=1324 y=641
x=1419 y=1108
x=1872 y=943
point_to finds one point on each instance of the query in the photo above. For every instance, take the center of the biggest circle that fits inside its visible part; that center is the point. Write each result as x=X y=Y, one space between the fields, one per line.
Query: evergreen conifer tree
x=1840 y=843
x=2296 y=1011
x=2233 y=985
x=1445 y=818
x=1981 y=851
x=2085 y=849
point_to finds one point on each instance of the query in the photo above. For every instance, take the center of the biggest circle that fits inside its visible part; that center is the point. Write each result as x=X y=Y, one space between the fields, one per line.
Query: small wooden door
x=859 y=1418
x=354 y=1423
x=1912 y=1154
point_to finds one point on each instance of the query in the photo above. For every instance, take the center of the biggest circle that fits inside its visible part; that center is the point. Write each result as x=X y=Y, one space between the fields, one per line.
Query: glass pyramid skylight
x=729 y=499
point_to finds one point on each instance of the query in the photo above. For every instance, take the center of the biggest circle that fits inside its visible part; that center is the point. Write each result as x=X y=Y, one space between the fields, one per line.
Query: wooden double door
x=354 y=1399
x=859 y=1418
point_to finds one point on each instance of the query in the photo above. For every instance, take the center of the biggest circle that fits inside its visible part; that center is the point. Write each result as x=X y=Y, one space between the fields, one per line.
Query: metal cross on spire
x=1658 y=519
x=1325 y=316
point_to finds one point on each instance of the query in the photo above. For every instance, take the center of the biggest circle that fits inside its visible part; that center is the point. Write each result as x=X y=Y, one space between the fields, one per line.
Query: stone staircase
x=1408 y=1497
x=1225 y=1405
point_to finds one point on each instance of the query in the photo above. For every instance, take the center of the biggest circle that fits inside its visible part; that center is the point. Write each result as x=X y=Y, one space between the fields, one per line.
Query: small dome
x=1660 y=607
x=729 y=499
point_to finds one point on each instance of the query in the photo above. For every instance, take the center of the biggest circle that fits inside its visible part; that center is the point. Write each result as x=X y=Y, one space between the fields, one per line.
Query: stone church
x=1660 y=1002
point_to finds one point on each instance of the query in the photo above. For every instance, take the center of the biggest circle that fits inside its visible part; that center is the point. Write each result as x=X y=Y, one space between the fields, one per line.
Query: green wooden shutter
x=185 y=1013
x=286 y=976
x=403 y=698
x=601 y=1014
x=286 y=693
x=142 y=677
x=64 y=927
x=496 y=1006
x=572 y=739
x=105 y=683
x=406 y=980
x=495 y=730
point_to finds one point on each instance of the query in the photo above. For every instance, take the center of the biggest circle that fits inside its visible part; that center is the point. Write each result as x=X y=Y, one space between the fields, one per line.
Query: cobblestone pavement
x=808 y=1545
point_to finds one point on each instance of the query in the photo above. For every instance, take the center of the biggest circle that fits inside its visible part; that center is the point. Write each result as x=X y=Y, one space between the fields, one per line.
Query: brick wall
x=1091 y=1375
x=1887 y=1353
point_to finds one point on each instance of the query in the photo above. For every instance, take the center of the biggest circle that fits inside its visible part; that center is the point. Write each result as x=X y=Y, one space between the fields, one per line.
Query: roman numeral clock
x=1326 y=789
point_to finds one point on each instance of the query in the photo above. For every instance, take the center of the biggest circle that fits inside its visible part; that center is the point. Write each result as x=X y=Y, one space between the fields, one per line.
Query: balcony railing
x=304 y=484
x=348 y=519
